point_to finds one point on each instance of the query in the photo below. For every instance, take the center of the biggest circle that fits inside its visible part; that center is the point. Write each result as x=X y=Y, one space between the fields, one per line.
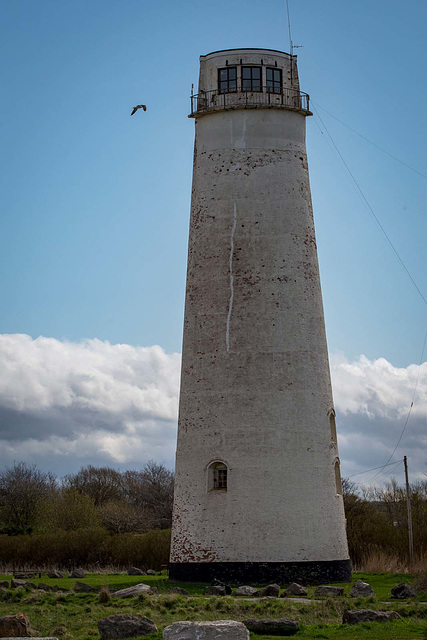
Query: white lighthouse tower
x=258 y=492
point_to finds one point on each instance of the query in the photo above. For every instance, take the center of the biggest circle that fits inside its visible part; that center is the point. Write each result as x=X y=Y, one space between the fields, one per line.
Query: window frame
x=242 y=79
x=274 y=82
x=227 y=69
x=217 y=476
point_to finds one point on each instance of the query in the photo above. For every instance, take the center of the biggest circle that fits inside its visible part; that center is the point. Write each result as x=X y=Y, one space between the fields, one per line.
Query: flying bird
x=139 y=106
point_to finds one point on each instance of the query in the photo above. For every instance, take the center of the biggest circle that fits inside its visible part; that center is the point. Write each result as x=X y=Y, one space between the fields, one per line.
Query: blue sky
x=95 y=204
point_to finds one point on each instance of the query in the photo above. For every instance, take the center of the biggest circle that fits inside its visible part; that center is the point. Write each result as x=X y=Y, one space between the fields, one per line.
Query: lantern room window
x=274 y=80
x=251 y=79
x=227 y=80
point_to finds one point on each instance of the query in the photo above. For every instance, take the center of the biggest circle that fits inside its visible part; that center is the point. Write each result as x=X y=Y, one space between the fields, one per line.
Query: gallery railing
x=214 y=100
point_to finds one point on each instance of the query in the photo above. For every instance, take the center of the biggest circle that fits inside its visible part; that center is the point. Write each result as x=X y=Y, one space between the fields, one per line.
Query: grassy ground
x=74 y=616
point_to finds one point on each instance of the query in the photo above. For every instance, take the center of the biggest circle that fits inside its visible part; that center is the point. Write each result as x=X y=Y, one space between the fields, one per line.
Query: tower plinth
x=257 y=492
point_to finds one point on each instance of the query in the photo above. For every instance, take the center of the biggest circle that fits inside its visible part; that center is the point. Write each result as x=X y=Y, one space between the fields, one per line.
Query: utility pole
x=408 y=503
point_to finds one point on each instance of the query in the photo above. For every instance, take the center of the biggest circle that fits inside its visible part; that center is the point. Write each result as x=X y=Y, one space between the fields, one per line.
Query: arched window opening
x=217 y=476
x=338 y=477
x=333 y=426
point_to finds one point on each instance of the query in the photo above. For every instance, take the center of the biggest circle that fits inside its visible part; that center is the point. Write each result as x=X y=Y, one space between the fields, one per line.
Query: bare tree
x=102 y=484
x=151 y=489
x=121 y=517
x=22 y=488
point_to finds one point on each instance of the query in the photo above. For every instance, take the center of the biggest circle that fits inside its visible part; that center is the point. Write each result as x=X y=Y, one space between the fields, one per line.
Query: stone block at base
x=215 y=630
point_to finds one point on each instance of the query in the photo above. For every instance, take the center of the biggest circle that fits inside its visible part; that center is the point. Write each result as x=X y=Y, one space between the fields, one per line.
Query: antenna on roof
x=291 y=45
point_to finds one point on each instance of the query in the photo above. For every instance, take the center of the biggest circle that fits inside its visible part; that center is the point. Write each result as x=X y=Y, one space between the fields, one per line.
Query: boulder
x=215 y=630
x=215 y=590
x=54 y=587
x=245 y=590
x=55 y=574
x=295 y=589
x=130 y=592
x=179 y=590
x=24 y=575
x=134 y=571
x=151 y=572
x=269 y=590
x=367 y=615
x=77 y=573
x=404 y=590
x=82 y=587
x=125 y=625
x=14 y=583
x=329 y=591
x=272 y=627
x=22 y=583
x=217 y=583
x=15 y=626
x=361 y=589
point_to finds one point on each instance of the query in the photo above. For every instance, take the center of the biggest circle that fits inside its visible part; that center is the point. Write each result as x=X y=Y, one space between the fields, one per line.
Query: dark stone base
x=306 y=573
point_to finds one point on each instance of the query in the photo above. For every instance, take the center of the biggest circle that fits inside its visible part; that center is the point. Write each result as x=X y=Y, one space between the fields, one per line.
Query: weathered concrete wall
x=255 y=388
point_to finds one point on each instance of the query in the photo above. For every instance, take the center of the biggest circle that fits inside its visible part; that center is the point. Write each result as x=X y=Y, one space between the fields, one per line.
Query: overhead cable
x=373 y=212
x=374 y=469
x=405 y=164
x=410 y=408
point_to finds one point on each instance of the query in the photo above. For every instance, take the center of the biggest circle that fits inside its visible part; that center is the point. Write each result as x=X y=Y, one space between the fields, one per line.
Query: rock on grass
x=130 y=592
x=15 y=626
x=125 y=625
x=215 y=630
x=368 y=615
x=404 y=590
x=361 y=589
x=329 y=591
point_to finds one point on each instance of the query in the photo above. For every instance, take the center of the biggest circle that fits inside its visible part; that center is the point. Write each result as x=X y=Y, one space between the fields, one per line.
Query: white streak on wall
x=240 y=143
x=230 y=264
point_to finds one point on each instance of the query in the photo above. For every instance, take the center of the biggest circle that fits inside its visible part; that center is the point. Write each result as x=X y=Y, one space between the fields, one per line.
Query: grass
x=74 y=616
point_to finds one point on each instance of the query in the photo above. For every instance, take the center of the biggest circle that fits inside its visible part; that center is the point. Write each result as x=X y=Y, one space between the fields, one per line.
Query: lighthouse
x=258 y=494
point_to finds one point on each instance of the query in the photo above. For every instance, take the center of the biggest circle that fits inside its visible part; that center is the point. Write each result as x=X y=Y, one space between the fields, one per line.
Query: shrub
x=84 y=547
x=104 y=596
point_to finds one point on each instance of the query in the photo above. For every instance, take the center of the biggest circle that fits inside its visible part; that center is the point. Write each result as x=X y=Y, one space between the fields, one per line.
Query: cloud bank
x=65 y=404
x=373 y=399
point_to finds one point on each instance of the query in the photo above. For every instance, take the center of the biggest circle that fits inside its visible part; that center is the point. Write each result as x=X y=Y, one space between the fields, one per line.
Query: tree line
x=104 y=516
x=33 y=501
x=377 y=520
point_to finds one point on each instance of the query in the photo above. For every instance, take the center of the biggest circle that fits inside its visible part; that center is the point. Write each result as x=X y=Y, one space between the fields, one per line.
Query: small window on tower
x=227 y=80
x=338 y=483
x=333 y=427
x=217 y=476
x=274 y=80
x=251 y=79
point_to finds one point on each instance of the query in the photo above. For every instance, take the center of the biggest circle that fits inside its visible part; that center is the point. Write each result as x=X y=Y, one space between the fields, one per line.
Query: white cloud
x=88 y=401
x=373 y=399
x=64 y=404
